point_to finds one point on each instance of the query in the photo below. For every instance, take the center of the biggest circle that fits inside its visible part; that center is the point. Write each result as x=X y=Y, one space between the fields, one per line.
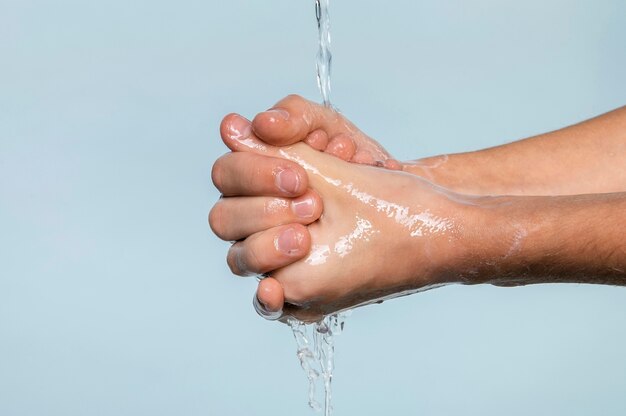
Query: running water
x=316 y=342
x=324 y=57
x=316 y=352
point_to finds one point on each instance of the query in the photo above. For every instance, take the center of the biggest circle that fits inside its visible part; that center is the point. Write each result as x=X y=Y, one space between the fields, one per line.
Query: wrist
x=456 y=172
x=462 y=241
x=499 y=238
x=471 y=173
x=553 y=239
x=431 y=168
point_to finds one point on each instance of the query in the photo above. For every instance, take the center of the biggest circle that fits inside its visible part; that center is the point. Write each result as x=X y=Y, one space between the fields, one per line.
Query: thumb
x=237 y=135
x=294 y=119
x=269 y=299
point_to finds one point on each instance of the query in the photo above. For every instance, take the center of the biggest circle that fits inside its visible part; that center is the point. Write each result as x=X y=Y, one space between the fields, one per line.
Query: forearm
x=568 y=239
x=589 y=157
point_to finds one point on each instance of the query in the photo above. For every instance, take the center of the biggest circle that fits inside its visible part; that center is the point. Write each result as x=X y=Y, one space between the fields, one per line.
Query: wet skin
x=585 y=158
x=370 y=215
x=250 y=181
x=294 y=119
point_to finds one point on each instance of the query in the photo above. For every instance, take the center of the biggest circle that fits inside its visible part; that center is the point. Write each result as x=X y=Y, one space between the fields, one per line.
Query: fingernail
x=287 y=181
x=278 y=114
x=289 y=241
x=239 y=129
x=304 y=208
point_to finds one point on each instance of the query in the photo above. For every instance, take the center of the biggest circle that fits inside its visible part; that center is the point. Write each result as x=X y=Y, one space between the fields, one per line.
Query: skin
x=581 y=159
x=366 y=210
x=499 y=240
x=295 y=119
x=585 y=158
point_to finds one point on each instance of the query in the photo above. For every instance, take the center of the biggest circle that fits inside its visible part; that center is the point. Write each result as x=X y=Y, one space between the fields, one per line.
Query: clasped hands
x=328 y=216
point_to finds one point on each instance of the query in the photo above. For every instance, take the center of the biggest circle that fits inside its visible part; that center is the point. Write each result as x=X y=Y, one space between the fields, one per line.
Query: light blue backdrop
x=114 y=296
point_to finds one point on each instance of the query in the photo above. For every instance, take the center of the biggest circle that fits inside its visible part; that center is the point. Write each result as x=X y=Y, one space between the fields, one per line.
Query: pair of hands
x=327 y=215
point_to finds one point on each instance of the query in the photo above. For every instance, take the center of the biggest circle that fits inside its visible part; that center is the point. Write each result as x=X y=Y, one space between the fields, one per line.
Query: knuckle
x=217 y=173
x=235 y=261
x=256 y=263
x=259 y=169
x=294 y=98
x=232 y=262
x=216 y=220
x=276 y=208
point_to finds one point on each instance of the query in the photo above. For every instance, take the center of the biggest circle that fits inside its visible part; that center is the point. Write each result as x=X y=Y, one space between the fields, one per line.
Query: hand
x=294 y=119
x=290 y=121
x=382 y=232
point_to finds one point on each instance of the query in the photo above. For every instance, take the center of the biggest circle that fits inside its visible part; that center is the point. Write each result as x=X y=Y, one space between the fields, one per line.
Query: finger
x=364 y=157
x=341 y=146
x=317 y=139
x=393 y=164
x=239 y=217
x=269 y=250
x=270 y=297
x=236 y=132
x=292 y=119
x=250 y=174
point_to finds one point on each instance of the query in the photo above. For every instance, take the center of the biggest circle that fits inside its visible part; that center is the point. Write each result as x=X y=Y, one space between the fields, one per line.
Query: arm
x=426 y=234
x=589 y=157
x=554 y=239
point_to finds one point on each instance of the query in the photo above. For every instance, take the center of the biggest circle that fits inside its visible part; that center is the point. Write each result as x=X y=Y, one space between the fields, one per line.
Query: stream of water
x=324 y=57
x=316 y=342
x=316 y=352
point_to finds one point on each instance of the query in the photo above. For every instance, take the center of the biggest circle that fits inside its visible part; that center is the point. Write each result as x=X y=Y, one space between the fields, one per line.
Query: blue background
x=114 y=295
